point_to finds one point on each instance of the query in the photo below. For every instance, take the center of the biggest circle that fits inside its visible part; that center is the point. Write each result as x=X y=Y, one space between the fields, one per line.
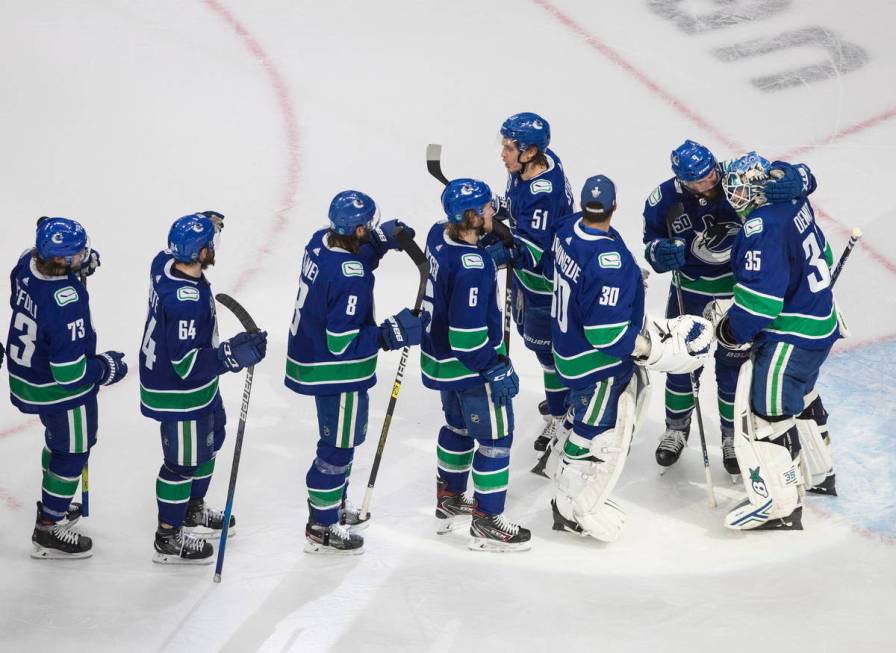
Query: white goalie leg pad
x=771 y=477
x=550 y=467
x=582 y=487
x=642 y=396
x=817 y=462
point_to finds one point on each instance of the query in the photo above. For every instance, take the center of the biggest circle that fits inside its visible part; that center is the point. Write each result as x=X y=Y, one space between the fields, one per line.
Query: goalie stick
x=502 y=231
x=419 y=258
x=248 y=325
x=675 y=212
x=853 y=239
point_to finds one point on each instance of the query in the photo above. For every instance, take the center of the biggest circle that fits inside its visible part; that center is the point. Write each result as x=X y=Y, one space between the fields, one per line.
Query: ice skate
x=671 y=445
x=333 y=539
x=453 y=509
x=548 y=433
x=827 y=487
x=204 y=523
x=174 y=546
x=497 y=533
x=350 y=516
x=729 y=459
x=59 y=541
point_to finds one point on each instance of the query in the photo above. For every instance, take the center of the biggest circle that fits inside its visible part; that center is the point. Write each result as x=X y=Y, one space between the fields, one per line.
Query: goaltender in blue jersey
x=783 y=313
x=599 y=333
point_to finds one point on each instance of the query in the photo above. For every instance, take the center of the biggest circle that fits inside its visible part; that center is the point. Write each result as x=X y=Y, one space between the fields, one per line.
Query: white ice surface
x=127 y=115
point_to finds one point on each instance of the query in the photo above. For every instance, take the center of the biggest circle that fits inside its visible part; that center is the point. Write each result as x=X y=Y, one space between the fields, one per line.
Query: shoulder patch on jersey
x=541 y=186
x=65 y=295
x=472 y=262
x=187 y=294
x=753 y=226
x=654 y=198
x=352 y=269
x=610 y=260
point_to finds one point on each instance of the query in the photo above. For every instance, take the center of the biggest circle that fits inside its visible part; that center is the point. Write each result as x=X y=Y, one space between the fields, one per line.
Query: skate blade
x=735 y=479
x=492 y=546
x=320 y=549
x=360 y=526
x=43 y=553
x=451 y=524
x=206 y=533
x=171 y=559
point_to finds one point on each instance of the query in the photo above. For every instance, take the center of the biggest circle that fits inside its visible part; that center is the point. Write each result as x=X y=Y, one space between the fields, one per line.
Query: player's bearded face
x=708 y=186
x=208 y=259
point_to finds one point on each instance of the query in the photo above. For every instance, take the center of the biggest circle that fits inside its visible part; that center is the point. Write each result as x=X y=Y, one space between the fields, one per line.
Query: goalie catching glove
x=678 y=345
x=716 y=312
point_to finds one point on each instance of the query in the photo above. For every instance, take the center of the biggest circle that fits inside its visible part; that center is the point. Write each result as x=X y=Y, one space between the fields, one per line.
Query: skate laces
x=67 y=535
x=672 y=440
x=189 y=543
x=339 y=531
x=506 y=525
x=728 y=448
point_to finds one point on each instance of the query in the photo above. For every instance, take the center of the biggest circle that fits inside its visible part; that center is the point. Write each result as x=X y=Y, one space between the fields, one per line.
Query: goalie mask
x=743 y=180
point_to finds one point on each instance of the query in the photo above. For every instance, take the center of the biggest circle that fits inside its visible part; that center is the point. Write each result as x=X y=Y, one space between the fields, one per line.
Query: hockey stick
x=502 y=231
x=853 y=239
x=249 y=325
x=419 y=259
x=676 y=211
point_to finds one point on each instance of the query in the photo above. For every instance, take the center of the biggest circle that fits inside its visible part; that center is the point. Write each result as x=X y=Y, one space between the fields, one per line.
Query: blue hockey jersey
x=51 y=343
x=598 y=304
x=333 y=339
x=781 y=263
x=708 y=228
x=535 y=208
x=179 y=365
x=466 y=332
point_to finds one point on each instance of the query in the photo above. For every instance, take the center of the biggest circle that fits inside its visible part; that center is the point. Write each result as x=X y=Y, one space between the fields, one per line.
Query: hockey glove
x=403 y=329
x=503 y=254
x=726 y=337
x=785 y=183
x=216 y=218
x=114 y=367
x=665 y=254
x=502 y=207
x=502 y=380
x=383 y=238
x=242 y=350
x=89 y=266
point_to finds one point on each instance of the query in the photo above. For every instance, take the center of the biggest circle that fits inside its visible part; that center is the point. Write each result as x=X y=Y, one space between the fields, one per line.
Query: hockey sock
x=45 y=459
x=61 y=482
x=202 y=477
x=491 y=471
x=173 y=492
x=454 y=458
x=679 y=400
x=726 y=411
x=556 y=394
x=326 y=480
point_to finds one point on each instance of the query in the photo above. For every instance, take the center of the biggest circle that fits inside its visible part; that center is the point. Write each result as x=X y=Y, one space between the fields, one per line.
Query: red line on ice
x=692 y=116
x=290 y=126
x=842 y=133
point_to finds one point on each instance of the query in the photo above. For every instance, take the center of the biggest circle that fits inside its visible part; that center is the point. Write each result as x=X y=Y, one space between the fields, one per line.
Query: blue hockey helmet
x=188 y=235
x=61 y=237
x=527 y=129
x=692 y=161
x=461 y=195
x=743 y=180
x=351 y=209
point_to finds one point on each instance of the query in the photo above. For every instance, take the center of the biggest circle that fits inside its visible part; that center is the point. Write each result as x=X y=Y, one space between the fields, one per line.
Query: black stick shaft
x=853 y=239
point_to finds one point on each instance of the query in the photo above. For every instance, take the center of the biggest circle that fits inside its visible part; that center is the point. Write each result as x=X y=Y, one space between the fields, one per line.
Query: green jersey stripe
x=467 y=339
x=805 y=326
x=184 y=366
x=69 y=372
x=179 y=401
x=331 y=372
x=44 y=394
x=721 y=286
x=339 y=342
x=448 y=369
x=583 y=364
x=532 y=282
x=605 y=335
x=757 y=303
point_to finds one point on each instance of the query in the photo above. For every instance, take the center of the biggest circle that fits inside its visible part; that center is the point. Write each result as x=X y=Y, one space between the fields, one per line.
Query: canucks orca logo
x=757 y=482
x=713 y=244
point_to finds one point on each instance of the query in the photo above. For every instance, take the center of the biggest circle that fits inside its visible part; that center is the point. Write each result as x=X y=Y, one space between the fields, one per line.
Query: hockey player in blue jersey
x=462 y=356
x=599 y=334
x=332 y=353
x=538 y=195
x=180 y=362
x=697 y=244
x=55 y=373
x=783 y=312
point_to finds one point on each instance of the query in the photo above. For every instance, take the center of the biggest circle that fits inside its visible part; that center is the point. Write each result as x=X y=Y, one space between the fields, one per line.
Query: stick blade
x=434 y=162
